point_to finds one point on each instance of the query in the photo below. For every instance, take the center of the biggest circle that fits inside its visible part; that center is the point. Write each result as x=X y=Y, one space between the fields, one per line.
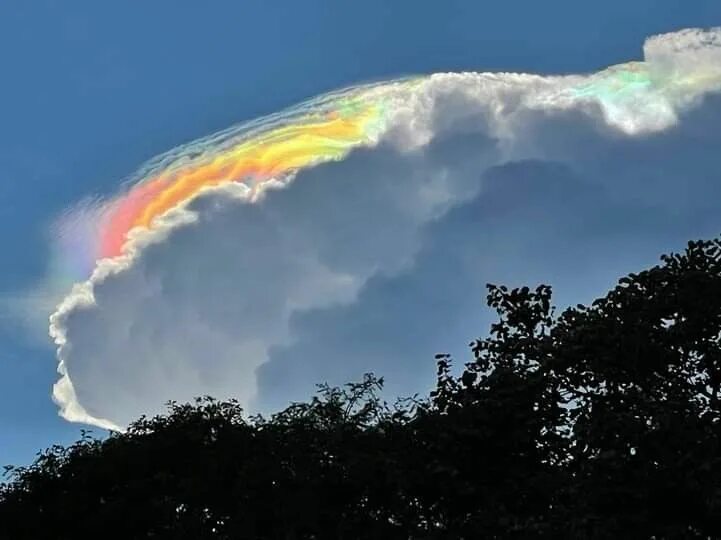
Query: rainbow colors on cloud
x=250 y=154
x=634 y=97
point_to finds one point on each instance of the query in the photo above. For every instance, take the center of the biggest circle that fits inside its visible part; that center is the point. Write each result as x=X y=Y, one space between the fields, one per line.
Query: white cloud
x=342 y=269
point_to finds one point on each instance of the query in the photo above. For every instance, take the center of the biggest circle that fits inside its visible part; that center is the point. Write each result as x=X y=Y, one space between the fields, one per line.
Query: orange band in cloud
x=290 y=143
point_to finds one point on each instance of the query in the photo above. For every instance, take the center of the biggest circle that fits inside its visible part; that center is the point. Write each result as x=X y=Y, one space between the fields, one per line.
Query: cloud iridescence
x=192 y=278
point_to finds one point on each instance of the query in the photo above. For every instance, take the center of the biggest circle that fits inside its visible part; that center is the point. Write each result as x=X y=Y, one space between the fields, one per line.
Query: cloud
x=378 y=260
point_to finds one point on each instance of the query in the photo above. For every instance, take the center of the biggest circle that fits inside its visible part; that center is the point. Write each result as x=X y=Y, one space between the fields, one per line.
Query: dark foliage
x=603 y=422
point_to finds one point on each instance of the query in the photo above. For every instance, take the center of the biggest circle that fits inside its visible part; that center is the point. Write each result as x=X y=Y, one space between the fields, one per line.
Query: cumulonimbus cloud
x=353 y=232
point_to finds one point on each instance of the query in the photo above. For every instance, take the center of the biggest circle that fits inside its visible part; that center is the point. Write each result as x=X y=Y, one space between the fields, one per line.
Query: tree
x=642 y=367
x=603 y=422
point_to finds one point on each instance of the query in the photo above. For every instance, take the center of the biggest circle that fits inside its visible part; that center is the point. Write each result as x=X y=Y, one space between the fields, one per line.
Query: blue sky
x=92 y=89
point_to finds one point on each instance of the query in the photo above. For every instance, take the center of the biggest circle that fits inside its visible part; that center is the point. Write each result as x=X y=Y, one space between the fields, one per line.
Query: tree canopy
x=603 y=421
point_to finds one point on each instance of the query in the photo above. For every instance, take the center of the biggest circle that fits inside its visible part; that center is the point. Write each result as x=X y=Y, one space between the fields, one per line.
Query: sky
x=92 y=90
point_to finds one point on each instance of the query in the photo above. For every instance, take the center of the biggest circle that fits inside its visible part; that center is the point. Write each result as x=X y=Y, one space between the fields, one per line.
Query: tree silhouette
x=602 y=422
